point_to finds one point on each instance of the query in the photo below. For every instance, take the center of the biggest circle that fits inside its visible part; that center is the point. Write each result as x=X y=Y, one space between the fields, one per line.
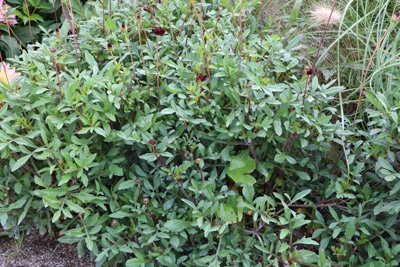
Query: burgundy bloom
x=201 y=77
x=309 y=70
x=109 y=47
x=396 y=16
x=158 y=31
x=124 y=29
x=152 y=142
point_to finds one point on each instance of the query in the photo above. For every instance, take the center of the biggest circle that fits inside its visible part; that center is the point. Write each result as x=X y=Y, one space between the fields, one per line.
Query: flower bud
x=152 y=142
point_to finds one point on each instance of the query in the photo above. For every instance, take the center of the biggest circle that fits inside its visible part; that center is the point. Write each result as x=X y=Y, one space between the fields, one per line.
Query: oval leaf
x=176 y=225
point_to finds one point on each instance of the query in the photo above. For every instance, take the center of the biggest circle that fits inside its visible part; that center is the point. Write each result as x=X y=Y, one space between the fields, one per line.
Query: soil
x=40 y=251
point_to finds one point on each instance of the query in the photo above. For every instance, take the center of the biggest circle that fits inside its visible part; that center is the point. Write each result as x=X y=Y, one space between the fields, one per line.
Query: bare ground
x=40 y=251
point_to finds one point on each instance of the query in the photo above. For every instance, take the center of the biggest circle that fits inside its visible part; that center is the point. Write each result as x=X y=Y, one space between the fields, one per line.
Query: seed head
x=321 y=13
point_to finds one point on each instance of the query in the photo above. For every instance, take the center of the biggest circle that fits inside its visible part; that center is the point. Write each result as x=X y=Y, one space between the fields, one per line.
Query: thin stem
x=57 y=73
x=179 y=181
x=70 y=18
x=199 y=163
x=367 y=70
x=261 y=20
x=29 y=21
x=318 y=51
x=155 y=154
x=103 y=19
x=158 y=75
x=240 y=39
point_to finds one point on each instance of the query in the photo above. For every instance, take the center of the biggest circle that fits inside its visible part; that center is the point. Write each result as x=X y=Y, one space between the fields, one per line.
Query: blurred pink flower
x=7 y=73
x=4 y=18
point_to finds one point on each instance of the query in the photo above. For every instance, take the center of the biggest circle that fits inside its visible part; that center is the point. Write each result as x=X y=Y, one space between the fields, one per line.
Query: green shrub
x=175 y=135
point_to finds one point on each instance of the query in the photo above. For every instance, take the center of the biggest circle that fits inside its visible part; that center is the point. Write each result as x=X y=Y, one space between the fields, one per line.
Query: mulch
x=40 y=251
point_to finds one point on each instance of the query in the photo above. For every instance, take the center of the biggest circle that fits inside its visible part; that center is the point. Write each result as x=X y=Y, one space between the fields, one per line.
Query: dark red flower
x=158 y=31
x=109 y=47
x=201 y=77
x=309 y=70
x=152 y=142
x=124 y=29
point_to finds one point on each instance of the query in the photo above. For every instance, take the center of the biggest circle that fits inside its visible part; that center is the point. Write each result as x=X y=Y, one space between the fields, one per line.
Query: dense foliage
x=179 y=134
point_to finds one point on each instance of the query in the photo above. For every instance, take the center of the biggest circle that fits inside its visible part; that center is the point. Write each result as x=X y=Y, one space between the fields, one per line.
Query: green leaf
x=373 y=99
x=176 y=225
x=56 y=216
x=17 y=205
x=302 y=175
x=350 y=229
x=135 y=262
x=26 y=208
x=3 y=218
x=284 y=233
x=248 y=192
x=17 y=188
x=240 y=167
x=383 y=163
x=301 y=195
x=89 y=243
x=280 y=158
x=100 y=131
x=306 y=256
x=167 y=111
x=67 y=239
x=74 y=207
x=21 y=161
x=306 y=241
x=126 y=184
x=90 y=59
x=278 y=127
x=95 y=229
x=120 y=214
